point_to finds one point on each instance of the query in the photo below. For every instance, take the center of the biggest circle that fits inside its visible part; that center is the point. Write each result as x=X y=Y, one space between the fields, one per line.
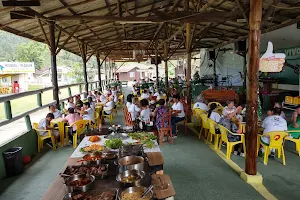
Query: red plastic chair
x=166 y=129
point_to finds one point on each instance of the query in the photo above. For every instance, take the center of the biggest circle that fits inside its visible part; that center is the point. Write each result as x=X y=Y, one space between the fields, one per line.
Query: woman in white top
x=177 y=112
x=92 y=104
x=70 y=103
x=145 y=111
x=134 y=108
x=55 y=112
x=109 y=105
x=87 y=112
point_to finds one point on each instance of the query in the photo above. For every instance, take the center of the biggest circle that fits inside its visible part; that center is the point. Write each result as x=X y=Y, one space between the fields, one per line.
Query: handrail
x=8 y=98
x=23 y=94
x=70 y=85
x=7 y=121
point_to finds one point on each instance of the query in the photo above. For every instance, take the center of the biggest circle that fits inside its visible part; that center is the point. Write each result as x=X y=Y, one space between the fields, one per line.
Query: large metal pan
x=136 y=189
x=79 y=177
x=131 y=162
x=135 y=175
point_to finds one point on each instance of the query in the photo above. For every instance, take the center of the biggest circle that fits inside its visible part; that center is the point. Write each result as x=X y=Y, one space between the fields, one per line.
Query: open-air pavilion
x=132 y=30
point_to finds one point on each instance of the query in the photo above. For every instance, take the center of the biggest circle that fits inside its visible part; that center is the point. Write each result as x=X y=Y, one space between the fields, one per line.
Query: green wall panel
x=29 y=143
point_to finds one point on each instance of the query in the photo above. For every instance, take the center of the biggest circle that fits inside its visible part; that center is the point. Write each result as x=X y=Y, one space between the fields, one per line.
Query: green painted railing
x=7 y=99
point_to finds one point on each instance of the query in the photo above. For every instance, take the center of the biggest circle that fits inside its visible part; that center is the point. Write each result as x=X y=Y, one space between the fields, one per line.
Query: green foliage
x=31 y=52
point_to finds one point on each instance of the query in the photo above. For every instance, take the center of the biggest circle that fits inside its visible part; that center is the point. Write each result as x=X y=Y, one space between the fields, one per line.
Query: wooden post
x=99 y=69
x=166 y=67
x=188 y=70
x=83 y=49
x=156 y=65
x=252 y=85
x=53 y=64
x=105 y=71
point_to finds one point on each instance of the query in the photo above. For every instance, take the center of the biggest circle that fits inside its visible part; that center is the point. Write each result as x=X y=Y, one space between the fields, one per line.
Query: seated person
x=102 y=98
x=145 y=95
x=178 y=114
x=278 y=105
x=199 y=104
x=92 y=103
x=212 y=114
x=134 y=109
x=79 y=103
x=129 y=100
x=92 y=96
x=87 y=112
x=115 y=98
x=273 y=123
x=70 y=103
x=145 y=111
x=109 y=105
x=44 y=124
x=269 y=112
x=114 y=91
x=295 y=125
x=152 y=105
x=107 y=91
x=159 y=112
x=226 y=120
x=54 y=111
x=70 y=119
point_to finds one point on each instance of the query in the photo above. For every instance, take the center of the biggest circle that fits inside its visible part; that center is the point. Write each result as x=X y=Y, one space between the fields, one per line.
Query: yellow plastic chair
x=80 y=125
x=276 y=142
x=97 y=119
x=296 y=141
x=212 y=133
x=196 y=113
x=110 y=116
x=229 y=144
x=218 y=104
x=42 y=138
x=204 y=126
x=121 y=100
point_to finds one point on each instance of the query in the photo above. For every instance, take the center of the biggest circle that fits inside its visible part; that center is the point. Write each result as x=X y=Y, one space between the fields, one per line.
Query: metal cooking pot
x=136 y=189
x=127 y=173
x=97 y=156
x=131 y=162
x=83 y=188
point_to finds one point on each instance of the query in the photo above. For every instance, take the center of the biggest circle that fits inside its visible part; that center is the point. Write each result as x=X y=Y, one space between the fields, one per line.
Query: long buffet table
x=57 y=190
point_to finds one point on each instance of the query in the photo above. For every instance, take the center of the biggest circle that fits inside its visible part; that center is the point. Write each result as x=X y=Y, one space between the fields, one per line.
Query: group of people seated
x=232 y=118
x=150 y=110
x=81 y=109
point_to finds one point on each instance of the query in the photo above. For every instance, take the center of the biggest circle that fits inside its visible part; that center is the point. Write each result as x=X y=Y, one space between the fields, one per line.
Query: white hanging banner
x=271 y=62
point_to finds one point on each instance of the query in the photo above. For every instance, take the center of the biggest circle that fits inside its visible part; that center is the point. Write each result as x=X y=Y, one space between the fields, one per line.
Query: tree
x=31 y=52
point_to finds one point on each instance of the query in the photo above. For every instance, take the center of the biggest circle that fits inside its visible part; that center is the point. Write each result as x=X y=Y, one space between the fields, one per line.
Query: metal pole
x=99 y=69
x=252 y=86
x=53 y=64
x=84 y=67
x=188 y=70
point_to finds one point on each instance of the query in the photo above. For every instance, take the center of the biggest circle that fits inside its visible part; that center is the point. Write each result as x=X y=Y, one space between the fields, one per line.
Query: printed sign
x=271 y=62
x=16 y=67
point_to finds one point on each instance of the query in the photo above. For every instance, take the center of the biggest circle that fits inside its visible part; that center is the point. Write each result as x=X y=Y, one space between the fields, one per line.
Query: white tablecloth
x=85 y=142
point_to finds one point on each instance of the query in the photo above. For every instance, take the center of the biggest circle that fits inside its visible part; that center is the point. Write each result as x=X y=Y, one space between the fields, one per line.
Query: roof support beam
x=243 y=10
x=269 y=12
x=44 y=33
x=67 y=40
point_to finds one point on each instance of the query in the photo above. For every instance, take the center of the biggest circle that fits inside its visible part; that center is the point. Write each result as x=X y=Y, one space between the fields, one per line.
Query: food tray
x=93 y=194
x=78 y=171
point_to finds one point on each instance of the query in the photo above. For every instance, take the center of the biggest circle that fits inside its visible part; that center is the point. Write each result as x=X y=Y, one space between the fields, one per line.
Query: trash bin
x=13 y=161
